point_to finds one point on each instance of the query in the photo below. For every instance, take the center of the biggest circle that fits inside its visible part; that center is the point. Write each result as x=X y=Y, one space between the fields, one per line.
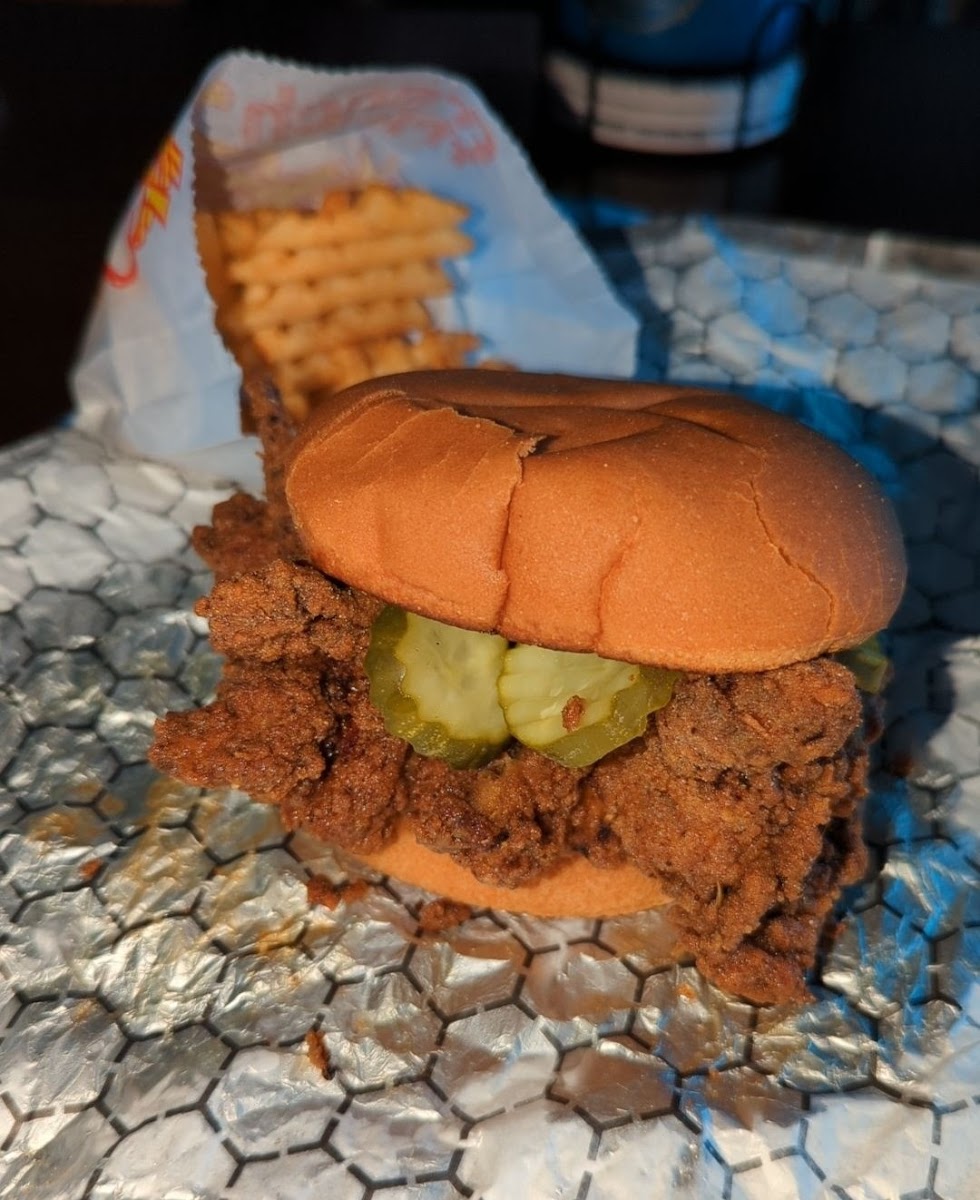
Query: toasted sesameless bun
x=574 y=889
x=656 y=524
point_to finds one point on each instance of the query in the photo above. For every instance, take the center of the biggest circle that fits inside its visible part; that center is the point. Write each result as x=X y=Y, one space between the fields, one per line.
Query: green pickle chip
x=576 y=708
x=460 y=695
x=868 y=663
x=436 y=686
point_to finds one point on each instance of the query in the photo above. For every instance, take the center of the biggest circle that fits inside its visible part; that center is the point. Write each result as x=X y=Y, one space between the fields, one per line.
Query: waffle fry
x=342 y=217
x=307 y=264
x=237 y=232
x=352 y=323
x=327 y=298
x=264 y=304
x=384 y=356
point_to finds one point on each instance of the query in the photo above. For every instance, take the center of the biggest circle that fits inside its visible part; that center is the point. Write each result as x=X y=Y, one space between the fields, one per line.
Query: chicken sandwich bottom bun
x=568 y=647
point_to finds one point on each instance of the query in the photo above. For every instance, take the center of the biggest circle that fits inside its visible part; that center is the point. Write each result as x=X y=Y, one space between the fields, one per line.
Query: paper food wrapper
x=179 y=1022
x=154 y=376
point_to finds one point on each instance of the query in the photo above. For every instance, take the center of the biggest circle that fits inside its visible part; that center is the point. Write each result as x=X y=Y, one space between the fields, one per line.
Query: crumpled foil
x=180 y=1023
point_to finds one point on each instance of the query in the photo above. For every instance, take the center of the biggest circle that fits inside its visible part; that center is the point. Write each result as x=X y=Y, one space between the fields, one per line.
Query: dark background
x=887 y=136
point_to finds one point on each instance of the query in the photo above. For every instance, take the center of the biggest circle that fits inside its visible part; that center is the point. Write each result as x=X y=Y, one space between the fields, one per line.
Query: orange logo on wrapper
x=152 y=206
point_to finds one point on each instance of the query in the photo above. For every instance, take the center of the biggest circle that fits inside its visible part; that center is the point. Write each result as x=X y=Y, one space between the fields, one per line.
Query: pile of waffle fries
x=324 y=299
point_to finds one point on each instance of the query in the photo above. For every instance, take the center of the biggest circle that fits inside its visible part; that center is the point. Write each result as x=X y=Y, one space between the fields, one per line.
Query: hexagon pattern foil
x=176 y=1019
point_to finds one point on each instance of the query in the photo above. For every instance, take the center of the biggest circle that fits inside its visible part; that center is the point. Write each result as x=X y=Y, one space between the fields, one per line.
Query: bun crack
x=792 y=562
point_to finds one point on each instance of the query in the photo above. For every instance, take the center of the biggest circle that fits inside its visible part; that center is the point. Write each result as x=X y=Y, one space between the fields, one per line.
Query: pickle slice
x=576 y=708
x=868 y=663
x=436 y=686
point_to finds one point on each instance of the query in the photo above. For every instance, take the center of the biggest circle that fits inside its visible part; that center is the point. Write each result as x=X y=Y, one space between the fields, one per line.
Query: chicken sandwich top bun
x=653 y=524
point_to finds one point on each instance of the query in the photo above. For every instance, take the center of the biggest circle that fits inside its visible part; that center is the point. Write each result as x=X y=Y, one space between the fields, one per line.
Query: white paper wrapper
x=154 y=376
x=161 y=966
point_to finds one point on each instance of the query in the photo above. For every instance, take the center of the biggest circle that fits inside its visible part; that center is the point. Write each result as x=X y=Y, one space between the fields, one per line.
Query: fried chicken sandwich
x=561 y=646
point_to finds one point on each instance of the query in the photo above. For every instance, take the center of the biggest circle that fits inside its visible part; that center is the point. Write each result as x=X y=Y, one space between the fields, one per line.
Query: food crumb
x=319 y=890
x=571 y=714
x=437 y=915
x=90 y=868
x=318 y=1054
x=355 y=890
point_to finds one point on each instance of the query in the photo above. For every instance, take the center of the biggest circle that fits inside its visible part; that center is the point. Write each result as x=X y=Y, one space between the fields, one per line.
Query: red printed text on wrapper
x=415 y=112
x=152 y=207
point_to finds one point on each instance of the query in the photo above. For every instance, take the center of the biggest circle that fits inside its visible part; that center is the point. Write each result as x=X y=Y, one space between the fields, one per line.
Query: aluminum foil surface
x=178 y=1022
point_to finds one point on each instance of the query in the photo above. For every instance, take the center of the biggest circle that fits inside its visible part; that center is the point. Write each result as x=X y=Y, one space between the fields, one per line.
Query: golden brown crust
x=657 y=524
x=576 y=888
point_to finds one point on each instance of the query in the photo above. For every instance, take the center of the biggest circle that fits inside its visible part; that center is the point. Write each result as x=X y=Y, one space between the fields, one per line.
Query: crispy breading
x=287 y=610
x=508 y=823
x=745 y=841
x=264 y=733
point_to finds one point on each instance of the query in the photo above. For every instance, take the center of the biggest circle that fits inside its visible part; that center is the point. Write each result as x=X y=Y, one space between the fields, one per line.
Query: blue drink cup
x=679 y=76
